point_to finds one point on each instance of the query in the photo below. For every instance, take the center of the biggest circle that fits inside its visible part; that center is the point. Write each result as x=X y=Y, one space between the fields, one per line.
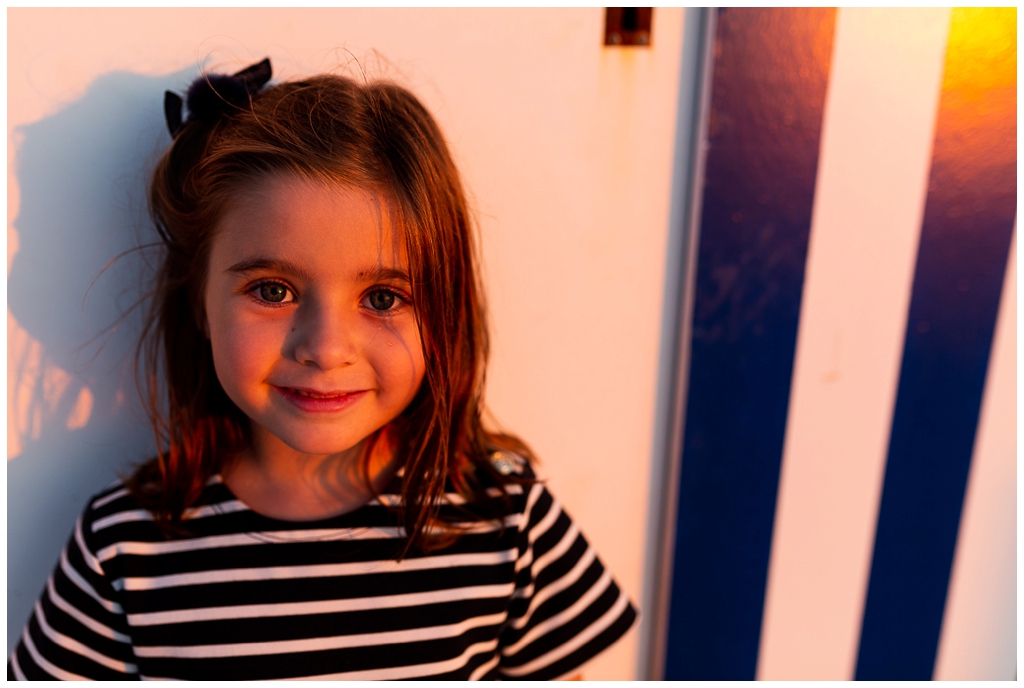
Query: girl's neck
x=274 y=480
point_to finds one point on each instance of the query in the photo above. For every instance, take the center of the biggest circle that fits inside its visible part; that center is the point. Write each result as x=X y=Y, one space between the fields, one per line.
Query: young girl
x=325 y=503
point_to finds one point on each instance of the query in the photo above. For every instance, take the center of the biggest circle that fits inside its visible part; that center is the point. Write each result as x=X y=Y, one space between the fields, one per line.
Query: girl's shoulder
x=117 y=513
x=115 y=502
x=511 y=465
x=119 y=496
x=503 y=473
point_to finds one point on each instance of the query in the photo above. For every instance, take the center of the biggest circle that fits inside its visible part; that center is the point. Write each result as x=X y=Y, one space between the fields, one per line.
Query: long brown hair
x=373 y=135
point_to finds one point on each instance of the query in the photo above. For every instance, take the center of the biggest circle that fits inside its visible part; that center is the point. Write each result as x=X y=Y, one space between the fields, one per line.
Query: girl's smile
x=309 y=315
x=319 y=402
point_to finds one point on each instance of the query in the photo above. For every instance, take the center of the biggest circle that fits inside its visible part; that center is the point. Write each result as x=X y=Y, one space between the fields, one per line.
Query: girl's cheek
x=404 y=343
x=399 y=354
x=246 y=347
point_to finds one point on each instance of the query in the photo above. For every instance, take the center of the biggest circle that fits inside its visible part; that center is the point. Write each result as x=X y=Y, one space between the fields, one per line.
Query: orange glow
x=978 y=111
x=982 y=49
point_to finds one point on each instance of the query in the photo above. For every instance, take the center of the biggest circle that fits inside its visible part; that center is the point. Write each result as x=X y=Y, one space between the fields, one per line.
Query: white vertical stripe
x=879 y=120
x=979 y=628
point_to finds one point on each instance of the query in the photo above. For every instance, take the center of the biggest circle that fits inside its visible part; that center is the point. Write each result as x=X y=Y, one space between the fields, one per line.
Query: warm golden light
x=982 y=48
x=976 y=136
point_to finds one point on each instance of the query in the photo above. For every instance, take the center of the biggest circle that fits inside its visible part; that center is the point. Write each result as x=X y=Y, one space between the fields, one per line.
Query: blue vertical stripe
x=768 y=92
x=965 y=240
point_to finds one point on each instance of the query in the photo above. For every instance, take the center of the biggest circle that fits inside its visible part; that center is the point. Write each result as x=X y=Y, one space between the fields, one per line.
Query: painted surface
x=895 y=405
x=965 y=240
x=872 y=179
x=565 y=147
x=979 y=626
x=768 y=93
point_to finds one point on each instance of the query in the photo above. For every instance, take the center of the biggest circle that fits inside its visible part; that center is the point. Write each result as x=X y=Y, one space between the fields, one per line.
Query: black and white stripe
x=249 y=597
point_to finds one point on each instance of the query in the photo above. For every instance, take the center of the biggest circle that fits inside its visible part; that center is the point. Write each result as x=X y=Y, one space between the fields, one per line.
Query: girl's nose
x=324 y=337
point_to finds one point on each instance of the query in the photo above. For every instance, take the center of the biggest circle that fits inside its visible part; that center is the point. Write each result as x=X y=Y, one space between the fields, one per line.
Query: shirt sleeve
x=566 y=608
x=77 y=630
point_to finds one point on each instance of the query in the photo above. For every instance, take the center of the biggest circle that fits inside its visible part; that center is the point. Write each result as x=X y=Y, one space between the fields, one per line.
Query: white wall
x=566 y=148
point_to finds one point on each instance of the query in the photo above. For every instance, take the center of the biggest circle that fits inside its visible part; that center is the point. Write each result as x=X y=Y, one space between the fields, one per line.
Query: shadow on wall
x=75 y=422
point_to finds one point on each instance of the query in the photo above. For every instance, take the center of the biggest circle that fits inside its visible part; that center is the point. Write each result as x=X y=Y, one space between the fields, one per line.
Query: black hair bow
x=211 y=95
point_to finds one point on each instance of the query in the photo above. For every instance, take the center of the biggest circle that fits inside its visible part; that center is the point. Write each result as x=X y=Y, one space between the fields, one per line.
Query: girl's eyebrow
x=376 y=274
x=383 y=274
x=283 y=266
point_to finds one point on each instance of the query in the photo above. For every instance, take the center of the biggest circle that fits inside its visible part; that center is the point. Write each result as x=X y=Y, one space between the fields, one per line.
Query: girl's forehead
x=291 y=192
x=294 y=218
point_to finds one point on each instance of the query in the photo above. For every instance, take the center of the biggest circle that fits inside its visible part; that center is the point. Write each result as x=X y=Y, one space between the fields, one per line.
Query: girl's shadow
x=75 y=422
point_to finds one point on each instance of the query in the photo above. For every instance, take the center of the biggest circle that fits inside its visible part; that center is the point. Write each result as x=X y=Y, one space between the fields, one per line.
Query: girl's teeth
x=313 y=396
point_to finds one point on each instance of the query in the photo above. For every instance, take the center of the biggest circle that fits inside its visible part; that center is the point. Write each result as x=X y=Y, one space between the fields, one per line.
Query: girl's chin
x=304 y=446
x=317 y=439
x=304 y=442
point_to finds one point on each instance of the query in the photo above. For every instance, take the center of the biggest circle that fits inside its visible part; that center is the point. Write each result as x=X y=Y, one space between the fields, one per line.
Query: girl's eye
x=274 y=292
x=382 y=300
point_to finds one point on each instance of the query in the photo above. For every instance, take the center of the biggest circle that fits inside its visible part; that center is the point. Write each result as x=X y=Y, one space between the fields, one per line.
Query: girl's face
x=308 y=312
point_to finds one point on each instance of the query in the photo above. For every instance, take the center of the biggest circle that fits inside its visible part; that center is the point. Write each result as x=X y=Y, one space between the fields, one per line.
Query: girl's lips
x=312 y=401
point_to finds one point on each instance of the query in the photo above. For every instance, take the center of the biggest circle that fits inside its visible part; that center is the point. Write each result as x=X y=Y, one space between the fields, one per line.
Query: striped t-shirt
x=244 y=596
